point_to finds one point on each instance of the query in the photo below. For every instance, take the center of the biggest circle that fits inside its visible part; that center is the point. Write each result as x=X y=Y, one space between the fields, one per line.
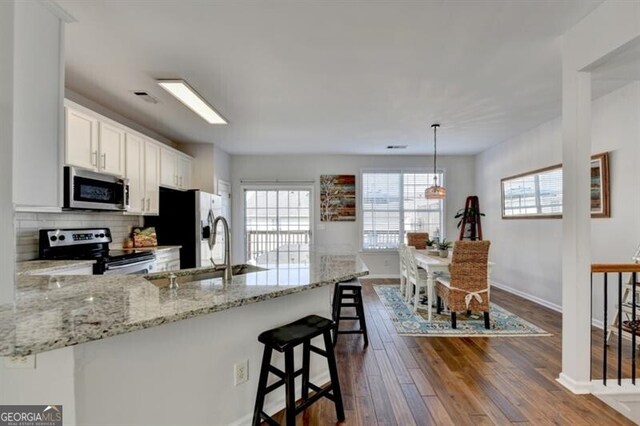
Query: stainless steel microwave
x=87 y=190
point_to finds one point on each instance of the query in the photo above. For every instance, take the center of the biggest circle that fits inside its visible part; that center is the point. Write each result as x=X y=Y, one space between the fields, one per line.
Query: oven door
x=138 y=268
x=94 y=191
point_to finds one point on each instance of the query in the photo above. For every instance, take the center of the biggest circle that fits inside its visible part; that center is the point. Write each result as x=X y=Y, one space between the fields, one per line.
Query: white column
x=7 y=238
x=576 y=230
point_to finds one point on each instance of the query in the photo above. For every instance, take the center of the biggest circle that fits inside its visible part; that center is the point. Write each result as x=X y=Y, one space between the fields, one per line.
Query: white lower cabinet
x=167 y=260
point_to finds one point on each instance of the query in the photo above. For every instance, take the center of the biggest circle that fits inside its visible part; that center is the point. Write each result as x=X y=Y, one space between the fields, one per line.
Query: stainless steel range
x=93 y=243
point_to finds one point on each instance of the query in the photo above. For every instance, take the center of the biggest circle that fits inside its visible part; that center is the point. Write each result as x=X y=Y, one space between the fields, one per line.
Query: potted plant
x=443 y=247
x=470 y=214
x=429 y=243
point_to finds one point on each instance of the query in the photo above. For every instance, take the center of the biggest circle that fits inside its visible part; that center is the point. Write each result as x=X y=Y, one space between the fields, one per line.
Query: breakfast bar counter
x=54 y=311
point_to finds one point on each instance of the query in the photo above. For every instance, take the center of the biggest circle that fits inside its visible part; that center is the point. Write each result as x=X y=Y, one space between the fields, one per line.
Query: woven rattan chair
x=417 y=240
x=467 y=288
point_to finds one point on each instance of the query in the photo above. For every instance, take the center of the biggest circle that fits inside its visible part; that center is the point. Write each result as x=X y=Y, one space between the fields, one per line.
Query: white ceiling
x=327 y=77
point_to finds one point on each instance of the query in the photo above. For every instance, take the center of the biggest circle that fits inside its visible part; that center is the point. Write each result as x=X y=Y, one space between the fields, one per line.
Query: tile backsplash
x=28 y=225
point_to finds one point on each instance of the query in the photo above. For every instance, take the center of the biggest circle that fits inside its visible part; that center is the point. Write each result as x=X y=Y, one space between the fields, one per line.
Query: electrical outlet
x=241 y=372
x=24 y=362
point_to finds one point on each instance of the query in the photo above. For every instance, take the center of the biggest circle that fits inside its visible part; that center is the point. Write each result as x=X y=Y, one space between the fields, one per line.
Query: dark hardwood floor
x=456 y=381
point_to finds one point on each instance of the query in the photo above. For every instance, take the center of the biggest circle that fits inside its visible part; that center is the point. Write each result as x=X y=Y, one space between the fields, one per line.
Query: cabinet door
x=134 y=171
x=111 y=149
x=81 y=140
x=174 y=265
x=184 y=174
x=168 y=172
x=152 y=177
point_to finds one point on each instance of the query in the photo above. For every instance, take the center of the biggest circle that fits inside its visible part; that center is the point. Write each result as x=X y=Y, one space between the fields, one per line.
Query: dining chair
x=416 y=279
x=467 y=286
x=402 y=249
x=417 y=240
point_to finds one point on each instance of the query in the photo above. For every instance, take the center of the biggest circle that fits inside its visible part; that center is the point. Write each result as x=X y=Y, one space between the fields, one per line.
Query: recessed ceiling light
x=185 y=94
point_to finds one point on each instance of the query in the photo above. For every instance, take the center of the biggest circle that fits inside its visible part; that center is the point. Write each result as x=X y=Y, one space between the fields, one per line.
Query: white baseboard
x=595 y=322
x=279 y=403
x=574 y=386
x=382 y=276
x=527 y=296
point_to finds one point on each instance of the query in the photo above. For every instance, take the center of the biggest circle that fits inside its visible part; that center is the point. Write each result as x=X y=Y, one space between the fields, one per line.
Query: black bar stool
x=349 y=291
x=285 y=339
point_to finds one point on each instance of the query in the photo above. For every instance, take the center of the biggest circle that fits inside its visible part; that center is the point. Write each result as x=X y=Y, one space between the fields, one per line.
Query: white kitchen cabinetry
x=111 y=142
x=168 y=172
x=175 y=169
x=152 y=177
x=184 y=172
x=81 y=139
x=167 y=260
x=93 y=144
x=142 y=169
x=134 y=171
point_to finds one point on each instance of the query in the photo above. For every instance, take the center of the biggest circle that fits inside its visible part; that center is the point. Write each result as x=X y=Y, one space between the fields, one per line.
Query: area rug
x=503 y=322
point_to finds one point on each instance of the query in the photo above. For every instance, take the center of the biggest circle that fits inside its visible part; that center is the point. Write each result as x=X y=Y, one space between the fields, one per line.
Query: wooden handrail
x=615 y=267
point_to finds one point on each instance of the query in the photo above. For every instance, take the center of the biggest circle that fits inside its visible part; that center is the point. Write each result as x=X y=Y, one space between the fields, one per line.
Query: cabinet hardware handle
x=148 y=204
x=104 y=161
x=94 y=158
x=175 y=179
x=143 y=204
x=180 y=181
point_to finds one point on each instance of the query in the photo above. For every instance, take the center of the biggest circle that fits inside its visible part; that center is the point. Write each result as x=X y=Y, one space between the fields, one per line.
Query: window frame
x=401 y=171
x=275 y=186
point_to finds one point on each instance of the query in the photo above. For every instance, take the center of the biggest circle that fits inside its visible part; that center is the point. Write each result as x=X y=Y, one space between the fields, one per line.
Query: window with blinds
x=393 y=204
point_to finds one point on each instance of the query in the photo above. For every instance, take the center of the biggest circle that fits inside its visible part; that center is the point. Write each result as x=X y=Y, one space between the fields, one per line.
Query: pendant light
x=435 y=192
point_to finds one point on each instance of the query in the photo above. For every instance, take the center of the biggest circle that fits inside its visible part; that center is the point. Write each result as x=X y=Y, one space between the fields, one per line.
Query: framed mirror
x=538 y=194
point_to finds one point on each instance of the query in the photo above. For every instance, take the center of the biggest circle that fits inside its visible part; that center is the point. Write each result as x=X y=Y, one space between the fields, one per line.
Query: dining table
x=434 y=264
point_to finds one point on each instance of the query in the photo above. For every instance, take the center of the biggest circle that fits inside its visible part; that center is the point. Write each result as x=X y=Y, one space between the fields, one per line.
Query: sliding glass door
x=277 y=225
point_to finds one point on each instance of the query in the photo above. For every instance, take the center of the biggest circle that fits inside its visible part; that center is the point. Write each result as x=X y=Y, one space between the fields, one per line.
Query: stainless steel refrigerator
x=185 y=219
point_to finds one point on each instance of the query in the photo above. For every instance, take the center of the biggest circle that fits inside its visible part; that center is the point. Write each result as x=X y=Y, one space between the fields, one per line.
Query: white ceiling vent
x=396 y=146
x=145 y=96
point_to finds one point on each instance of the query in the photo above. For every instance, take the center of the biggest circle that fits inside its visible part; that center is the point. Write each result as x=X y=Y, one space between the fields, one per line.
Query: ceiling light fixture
x=196 y=103
x=435 y=192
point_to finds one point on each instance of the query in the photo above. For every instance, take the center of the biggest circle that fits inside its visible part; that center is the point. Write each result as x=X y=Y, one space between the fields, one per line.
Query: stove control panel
x=72 y=237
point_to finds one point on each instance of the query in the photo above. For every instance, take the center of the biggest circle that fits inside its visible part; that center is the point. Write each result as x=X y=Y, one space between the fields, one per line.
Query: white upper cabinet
x=134 y=171
x=81 y=137
x=142 y=167
x=111 y=149
x=184 y=172
x=92 y=143
x=168 y=168
x=152 y=177
x=175 y=169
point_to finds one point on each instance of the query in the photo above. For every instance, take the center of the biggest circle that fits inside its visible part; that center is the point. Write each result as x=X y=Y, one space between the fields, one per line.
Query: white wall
x=37 y=116
x=528 y=252
x=7 y=245
x=459 y=174
x=221 y=165
x=210 y=163
x=28 y=225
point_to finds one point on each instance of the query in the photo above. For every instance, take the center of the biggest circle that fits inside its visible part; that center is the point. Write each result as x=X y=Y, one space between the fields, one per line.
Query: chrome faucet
x=228 y=273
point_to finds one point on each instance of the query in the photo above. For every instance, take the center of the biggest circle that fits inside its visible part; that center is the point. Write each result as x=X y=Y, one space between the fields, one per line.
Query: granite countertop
x=52 y=312
x=34 y=267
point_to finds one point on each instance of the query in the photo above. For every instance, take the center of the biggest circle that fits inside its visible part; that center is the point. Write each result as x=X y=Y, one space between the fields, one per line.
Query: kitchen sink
x=200 y=274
